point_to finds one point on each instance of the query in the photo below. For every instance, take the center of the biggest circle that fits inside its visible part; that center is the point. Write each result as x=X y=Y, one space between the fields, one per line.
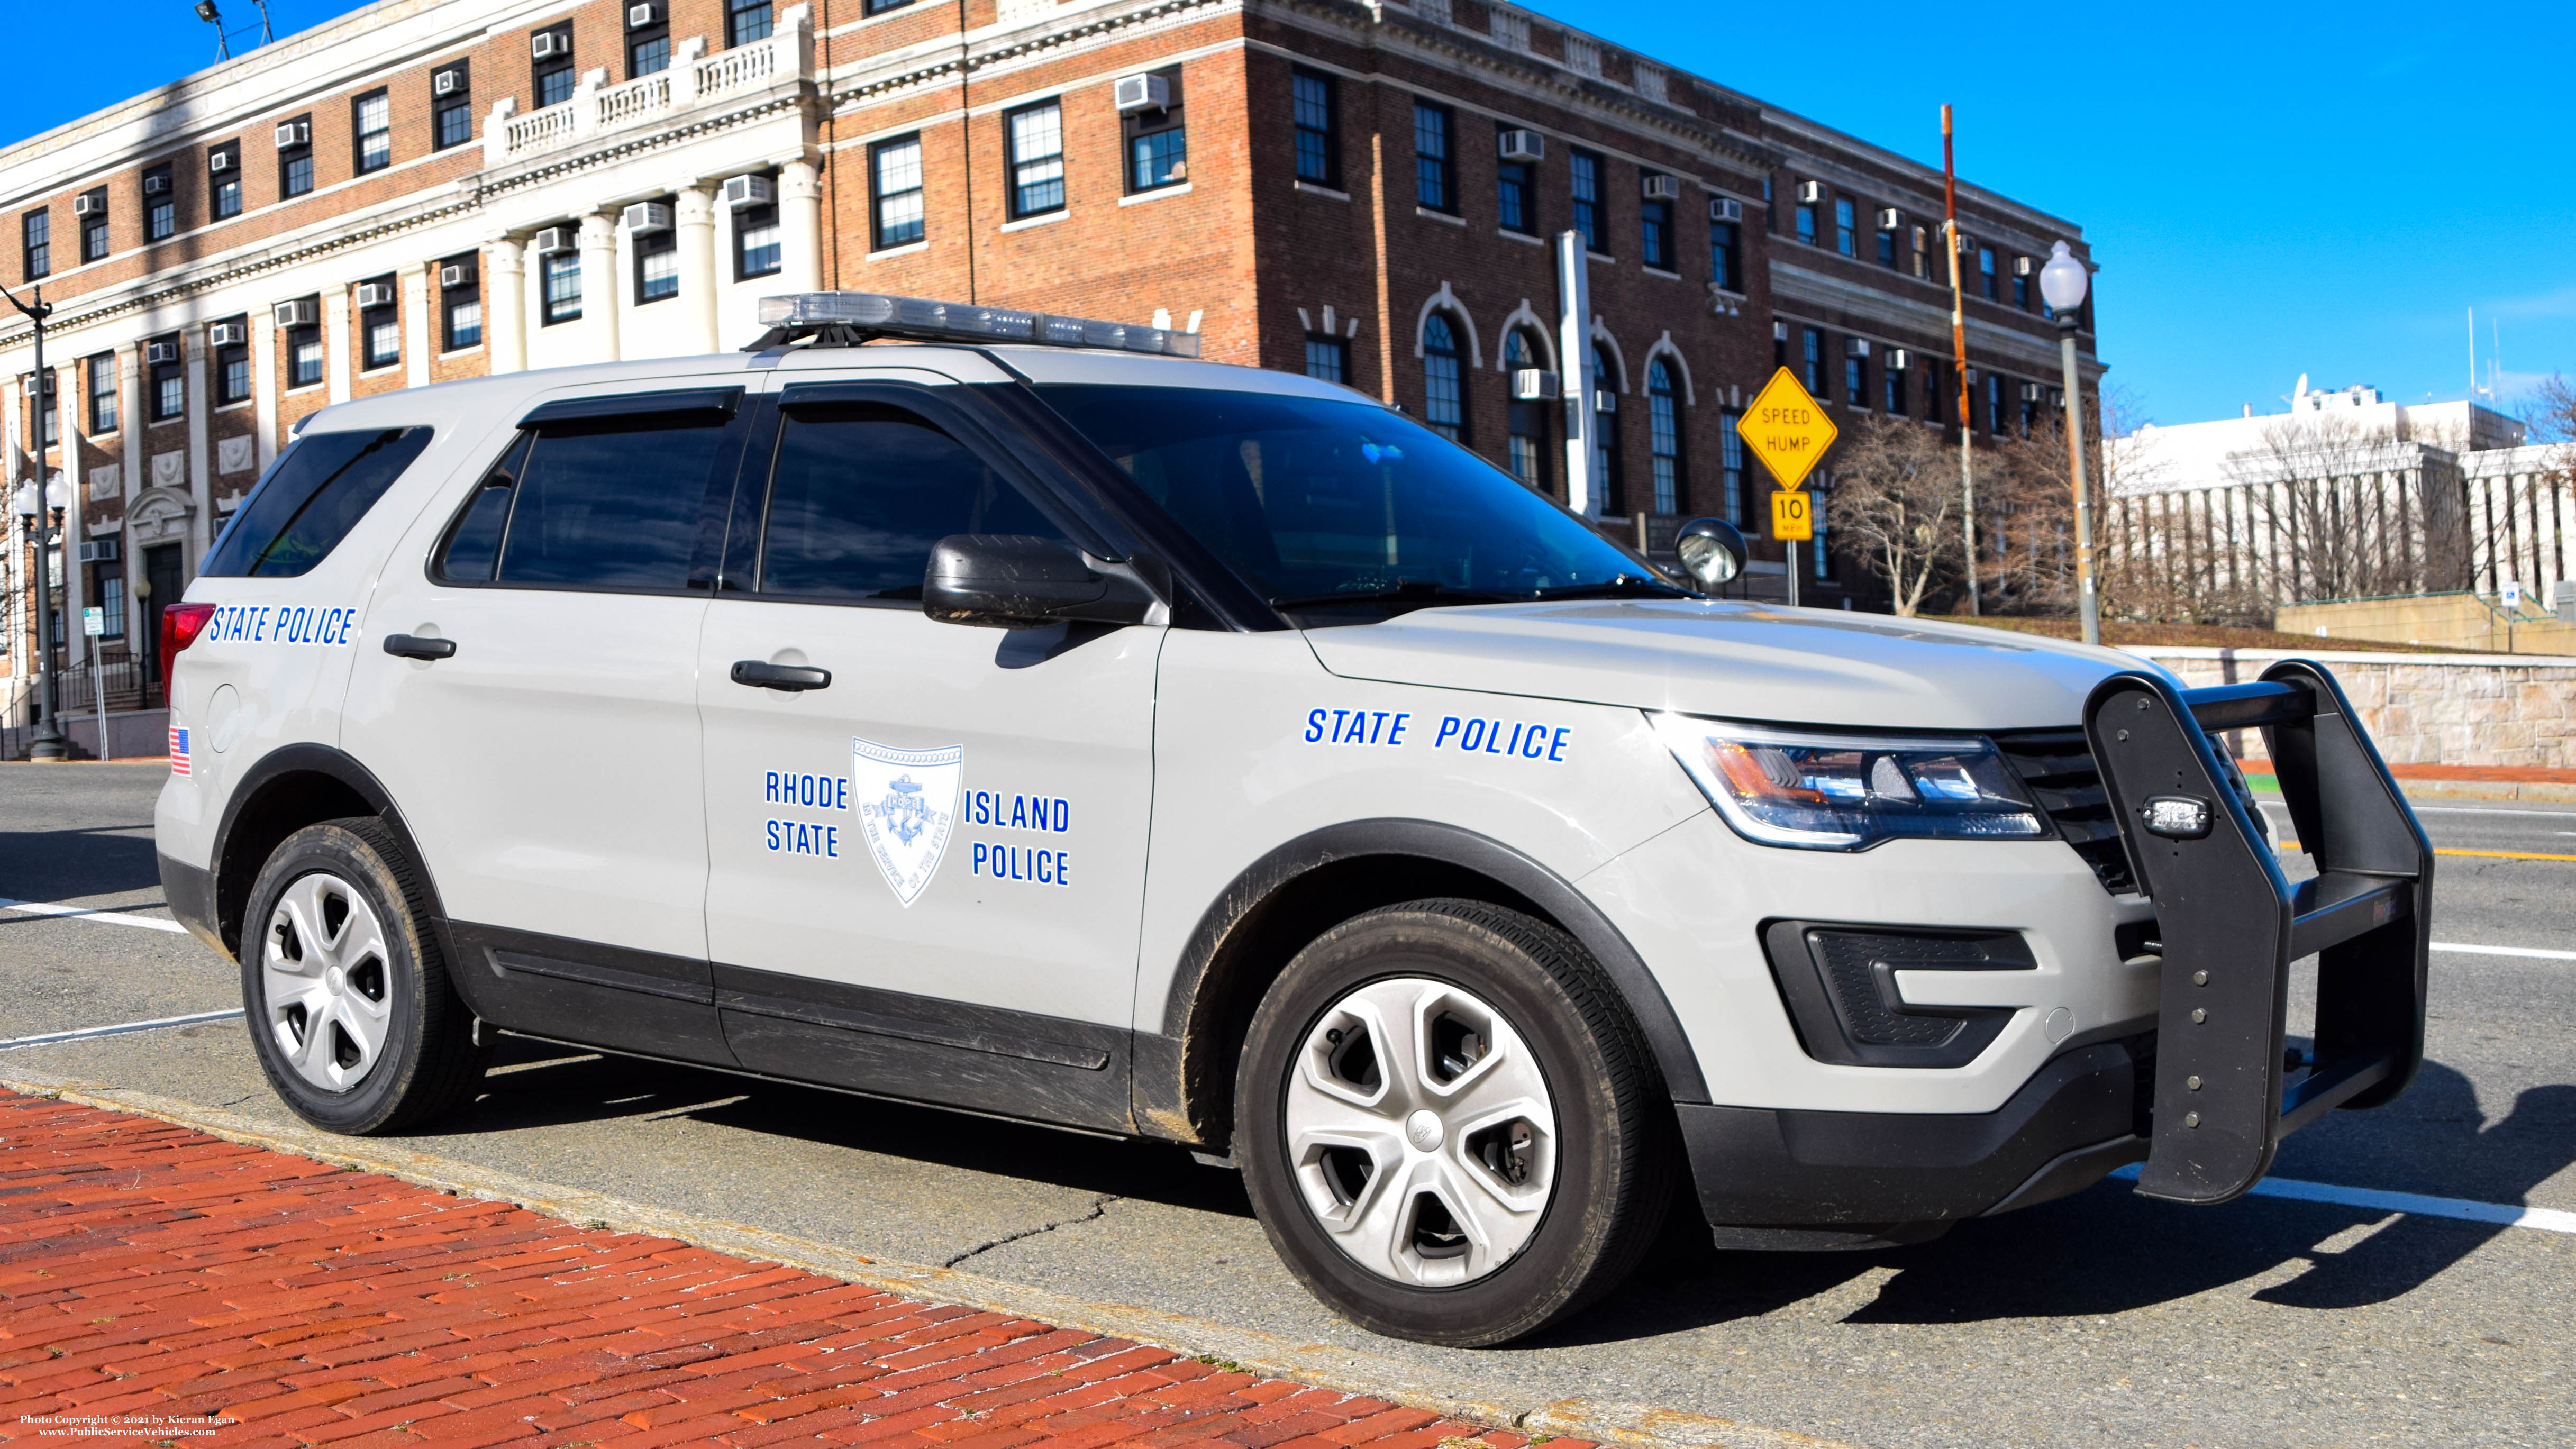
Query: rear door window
x=318 y=490
x=612 y=502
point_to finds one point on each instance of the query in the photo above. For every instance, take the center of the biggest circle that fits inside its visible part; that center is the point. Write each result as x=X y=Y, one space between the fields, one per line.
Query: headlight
x=1819 y=791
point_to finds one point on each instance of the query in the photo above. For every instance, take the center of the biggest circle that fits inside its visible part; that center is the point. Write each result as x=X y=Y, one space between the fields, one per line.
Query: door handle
x=412 y=646
x=789 y=677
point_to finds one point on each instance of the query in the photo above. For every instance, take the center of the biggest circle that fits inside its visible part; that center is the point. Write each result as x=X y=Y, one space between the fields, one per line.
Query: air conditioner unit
x=1604 y=400
x=446 y=82
x=1143 y=93
x=455 y=275
x=101 y=550
x=1517 y=145
x=546 y=44
x=1529 y=384
x=87 y=205
x=639 y=16
x=1972 y=377
x=1660 y=188
x=1896 y=359
x=294 y=133
x=1725 y=208
x=1856 y=347
x=2030 y=392
x=1967 y=244
x=31 y=384
x=227 y=334
x=553 y=239
x=158 y=184
x=647 y=217
x=1890 y=219
x=1811 y=192
x=1779 y=331
x=744 y=191
x=157 y=353
x=302 y=312
x=375 y=294
x=2025 y=266
x=219 y=161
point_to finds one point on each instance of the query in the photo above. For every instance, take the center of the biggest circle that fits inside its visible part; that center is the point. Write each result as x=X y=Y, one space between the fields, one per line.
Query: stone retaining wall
x=2425 y=709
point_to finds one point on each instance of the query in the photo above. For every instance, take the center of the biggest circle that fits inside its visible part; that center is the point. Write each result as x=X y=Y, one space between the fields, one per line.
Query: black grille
x=2057 y=767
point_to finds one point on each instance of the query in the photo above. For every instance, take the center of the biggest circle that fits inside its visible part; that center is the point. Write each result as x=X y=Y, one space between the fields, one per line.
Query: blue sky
x=2270 y=190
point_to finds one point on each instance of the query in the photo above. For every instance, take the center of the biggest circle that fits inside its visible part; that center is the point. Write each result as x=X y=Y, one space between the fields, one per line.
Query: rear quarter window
x=322 y=485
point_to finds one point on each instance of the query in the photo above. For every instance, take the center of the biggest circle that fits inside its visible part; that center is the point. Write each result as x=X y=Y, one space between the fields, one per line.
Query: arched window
x=1444 y=401
x=1528 y=419
x=1664 y=428
x=1605 y=434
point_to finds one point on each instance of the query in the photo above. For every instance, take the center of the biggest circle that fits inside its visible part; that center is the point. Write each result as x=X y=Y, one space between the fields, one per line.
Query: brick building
x=428 y=189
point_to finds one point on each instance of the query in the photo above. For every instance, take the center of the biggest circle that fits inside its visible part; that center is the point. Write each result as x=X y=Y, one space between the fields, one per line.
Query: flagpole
x=1959 y=352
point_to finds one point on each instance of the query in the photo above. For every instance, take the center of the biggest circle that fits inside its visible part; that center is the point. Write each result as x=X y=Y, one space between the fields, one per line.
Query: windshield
x=1323 y=504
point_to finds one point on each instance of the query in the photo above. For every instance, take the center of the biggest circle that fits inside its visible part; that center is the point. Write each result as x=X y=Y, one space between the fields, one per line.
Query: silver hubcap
x=1421 y=1132
x=324 y=982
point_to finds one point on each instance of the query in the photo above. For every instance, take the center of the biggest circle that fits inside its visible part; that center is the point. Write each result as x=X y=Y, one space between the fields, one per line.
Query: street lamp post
x=2062 y=282
x=42 y=505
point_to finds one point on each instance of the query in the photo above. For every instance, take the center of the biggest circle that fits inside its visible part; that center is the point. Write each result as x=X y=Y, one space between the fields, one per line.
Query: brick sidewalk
x=149 y=1270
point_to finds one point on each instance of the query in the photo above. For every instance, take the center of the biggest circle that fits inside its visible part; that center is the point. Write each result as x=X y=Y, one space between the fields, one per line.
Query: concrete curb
x=1344 y=1370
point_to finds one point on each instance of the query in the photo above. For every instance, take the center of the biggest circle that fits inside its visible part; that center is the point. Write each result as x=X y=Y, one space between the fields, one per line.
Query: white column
x=1574 y=370
x=505 y=304
x=335 y=341
x=695 y=217
x=263 y=381
x=800 y=227
x=599 y=290
x=414 y=277
x=201 y=469
x=71 y=403
x=129 y=418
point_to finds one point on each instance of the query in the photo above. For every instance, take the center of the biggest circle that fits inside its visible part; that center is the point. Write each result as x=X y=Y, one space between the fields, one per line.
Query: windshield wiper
x=1623 y=586
x=1418 y=593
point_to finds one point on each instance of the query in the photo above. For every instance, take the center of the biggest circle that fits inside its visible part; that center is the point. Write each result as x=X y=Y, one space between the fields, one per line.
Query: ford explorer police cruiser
x=1029 y=719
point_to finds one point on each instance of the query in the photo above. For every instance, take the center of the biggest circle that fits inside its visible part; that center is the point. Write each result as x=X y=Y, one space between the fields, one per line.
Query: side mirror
x=1016 y=581
x=1713 y=551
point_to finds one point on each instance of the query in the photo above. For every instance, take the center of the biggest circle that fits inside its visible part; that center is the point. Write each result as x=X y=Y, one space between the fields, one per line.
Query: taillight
x=180 y=626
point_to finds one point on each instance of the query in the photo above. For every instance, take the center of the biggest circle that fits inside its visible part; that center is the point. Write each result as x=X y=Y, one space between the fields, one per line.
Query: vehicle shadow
x=53 y=865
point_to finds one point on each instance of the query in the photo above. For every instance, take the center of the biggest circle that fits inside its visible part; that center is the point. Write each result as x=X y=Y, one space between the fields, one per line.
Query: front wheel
x=1449 y=1125
x=351 y=1011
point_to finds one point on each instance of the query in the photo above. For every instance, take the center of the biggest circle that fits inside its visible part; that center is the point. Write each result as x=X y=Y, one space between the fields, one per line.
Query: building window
x=1655 y=235
x=1037 y=159
x=561 y=277
x=1887 y=250
x=1516 y=197
x=1328 y=359
x=111 y=598
x=746 y=21
x=1820 y=559
x=374 y=115
x=36 y=233
x=169 y=384
x=756 y=252
x=2021 y=291
x=94 y=241
x=49 y=408
x=1527 y=451
x=1807 y=222
x=232 y=368
x=1725 y=265
x=451 y=106
x=1995 y=404
x=460 y=302
x=1586 y=170
x=1435 y=182
x=1986 y=272
x=295 y=163
x=223 y=173
x=1443 y=398
x=879 y=7
x=1317 y=103
x=1730 y=460
x=554 y=75
x=657 y=265
x=1157 y=143
x=102 y=392
x=1895 y=383
x=161 y=206
x=380 y=331
x=1605 y=437
x=1846 y=227
x=1814 y=357
x=894 y=174
x=1664 y=433
x=1923 y=253
x=648 y=49
x=303 y=357
x=1855 y=383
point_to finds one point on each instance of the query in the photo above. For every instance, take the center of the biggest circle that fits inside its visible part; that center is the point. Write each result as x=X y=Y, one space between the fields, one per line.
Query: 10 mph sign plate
x=1786 y=429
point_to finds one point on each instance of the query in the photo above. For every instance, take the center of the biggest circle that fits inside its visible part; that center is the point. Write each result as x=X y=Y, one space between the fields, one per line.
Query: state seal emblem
x=908 y=806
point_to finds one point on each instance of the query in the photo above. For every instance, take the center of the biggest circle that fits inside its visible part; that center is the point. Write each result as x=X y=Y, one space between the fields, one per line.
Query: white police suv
x=1031 y=721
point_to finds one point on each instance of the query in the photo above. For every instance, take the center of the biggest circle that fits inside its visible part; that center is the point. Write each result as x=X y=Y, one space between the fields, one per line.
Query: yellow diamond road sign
x=1786 y=429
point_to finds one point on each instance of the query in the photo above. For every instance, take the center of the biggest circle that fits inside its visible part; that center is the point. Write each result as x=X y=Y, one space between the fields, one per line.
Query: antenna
x=2473 y=354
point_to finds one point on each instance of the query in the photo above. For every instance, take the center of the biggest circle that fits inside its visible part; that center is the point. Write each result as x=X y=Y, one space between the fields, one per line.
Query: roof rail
x=846 y=319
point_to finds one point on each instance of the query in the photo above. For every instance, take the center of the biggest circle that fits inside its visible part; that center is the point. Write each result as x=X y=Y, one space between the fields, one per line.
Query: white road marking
x=2482 y=810
x=2534 y=952
x=120 y=1028
x=88 y=913
x=2512 y=1215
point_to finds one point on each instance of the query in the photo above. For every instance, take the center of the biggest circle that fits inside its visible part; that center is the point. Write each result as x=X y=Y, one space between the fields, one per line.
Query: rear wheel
x=350 y=1007
x=1449 y=1125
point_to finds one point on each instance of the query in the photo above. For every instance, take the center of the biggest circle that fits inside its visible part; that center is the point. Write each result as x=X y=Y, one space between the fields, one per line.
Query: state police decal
x=908 y=807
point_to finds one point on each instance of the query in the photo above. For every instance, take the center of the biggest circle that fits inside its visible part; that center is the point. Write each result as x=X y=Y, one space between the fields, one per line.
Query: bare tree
x=1895 y=504
x=2346 y=512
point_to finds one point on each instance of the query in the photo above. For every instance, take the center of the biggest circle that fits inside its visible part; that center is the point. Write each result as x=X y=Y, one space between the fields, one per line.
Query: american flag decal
x=178 y=750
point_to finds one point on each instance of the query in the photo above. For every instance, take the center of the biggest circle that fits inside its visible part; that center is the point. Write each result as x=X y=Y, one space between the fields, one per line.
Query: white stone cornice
x=1793 y=285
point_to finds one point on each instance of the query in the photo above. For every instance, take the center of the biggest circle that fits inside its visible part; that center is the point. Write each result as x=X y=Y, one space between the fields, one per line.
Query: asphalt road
x=2105 y=1318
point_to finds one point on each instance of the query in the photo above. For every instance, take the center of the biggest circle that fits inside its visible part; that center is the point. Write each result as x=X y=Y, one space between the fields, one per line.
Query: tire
x=1450 y=1126
x=345 y=986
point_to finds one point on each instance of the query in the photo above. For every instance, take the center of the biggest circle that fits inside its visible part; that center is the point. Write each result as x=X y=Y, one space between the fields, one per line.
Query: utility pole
x=1959 y=353
x=37 y=506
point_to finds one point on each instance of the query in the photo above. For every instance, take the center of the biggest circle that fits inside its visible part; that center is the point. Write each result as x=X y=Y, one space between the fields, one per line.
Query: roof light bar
x=849 y=317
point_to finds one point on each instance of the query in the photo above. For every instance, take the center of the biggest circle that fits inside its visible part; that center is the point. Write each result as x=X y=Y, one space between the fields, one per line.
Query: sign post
x=1789 y=432
x=94 y=624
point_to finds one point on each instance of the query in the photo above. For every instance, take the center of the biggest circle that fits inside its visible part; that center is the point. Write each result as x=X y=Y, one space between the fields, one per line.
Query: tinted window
x=318 y=490
x=862 y=491
x=611 y=504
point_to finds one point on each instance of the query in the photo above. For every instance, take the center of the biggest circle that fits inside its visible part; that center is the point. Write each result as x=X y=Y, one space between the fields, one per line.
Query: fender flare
x=1449 y=845
x=332 y=763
